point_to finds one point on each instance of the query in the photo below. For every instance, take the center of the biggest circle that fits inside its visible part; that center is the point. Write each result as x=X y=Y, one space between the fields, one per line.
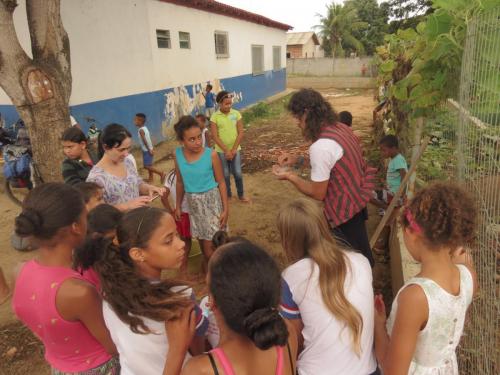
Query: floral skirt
x=111 y=367
x=204 y=213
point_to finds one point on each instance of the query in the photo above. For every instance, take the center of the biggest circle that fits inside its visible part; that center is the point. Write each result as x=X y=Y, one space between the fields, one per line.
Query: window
x=257 y=59
x=221 y=44
x=276 y=57
x=184 y=41
x=163 y=38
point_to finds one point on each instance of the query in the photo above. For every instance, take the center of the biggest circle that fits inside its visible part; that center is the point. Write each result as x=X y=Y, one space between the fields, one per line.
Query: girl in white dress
x=428 y=313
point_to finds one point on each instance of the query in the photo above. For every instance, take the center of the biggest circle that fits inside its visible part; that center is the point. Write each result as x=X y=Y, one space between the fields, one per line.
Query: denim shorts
x=147 y=159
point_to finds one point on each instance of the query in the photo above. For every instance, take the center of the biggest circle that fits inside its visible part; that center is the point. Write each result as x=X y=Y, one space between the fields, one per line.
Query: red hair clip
x=412 y=223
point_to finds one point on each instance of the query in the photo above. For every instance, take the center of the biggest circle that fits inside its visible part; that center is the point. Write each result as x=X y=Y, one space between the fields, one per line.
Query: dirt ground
x=21 y=353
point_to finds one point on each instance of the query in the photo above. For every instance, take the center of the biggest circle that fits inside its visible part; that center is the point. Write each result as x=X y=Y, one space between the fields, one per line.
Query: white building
x=156 y=56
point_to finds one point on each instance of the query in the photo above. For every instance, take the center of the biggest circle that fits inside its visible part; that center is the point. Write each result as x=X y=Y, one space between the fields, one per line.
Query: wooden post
x=398 y=194
x=417 y=139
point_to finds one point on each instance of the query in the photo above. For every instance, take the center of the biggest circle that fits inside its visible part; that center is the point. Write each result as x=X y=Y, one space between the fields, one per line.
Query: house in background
x=156 y=56
x=303 y=45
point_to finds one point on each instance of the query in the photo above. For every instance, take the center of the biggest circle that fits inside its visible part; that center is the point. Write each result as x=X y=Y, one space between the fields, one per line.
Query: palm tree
x=336 y=29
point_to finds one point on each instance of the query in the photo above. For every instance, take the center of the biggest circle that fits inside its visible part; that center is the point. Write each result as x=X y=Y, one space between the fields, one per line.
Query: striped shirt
x=351 y=179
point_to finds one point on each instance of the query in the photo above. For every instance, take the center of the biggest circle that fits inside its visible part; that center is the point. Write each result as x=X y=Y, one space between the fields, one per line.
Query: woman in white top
x=428 y=313
x=151 y=320
x=326 y=294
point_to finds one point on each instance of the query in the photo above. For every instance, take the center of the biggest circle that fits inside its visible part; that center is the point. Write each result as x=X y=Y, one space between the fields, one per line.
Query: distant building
x=156 y=56
x=303 y=45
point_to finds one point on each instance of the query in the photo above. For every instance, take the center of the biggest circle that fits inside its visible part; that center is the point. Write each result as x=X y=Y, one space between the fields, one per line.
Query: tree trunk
x=39 y=87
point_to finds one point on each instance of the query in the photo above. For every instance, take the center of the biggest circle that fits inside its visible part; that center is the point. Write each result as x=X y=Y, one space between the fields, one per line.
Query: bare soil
x=22 y=353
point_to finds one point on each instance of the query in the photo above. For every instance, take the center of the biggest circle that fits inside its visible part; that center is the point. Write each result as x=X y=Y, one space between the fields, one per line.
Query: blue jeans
x=232 y=167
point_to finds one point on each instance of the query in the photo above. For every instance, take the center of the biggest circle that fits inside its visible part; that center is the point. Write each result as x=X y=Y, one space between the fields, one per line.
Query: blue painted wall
x=249 y=90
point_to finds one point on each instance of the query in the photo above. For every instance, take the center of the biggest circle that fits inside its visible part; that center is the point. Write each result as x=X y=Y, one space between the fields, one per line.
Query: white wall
x=174 y=67
x=327 y=66
x=114 y=51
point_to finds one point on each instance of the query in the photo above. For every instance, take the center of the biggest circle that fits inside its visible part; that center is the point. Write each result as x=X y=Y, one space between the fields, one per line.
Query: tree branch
x=13 y=59
x=49 y=41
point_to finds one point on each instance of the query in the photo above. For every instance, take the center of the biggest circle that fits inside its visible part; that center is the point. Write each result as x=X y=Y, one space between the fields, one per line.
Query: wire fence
x=478 y=141
x=465 y=146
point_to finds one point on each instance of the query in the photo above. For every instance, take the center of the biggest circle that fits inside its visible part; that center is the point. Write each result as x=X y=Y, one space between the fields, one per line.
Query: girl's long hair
x=305 y=233
x=131 y=295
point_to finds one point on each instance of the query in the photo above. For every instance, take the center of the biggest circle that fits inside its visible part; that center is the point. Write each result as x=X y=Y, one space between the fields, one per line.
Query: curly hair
x=131 y=295
x=318 y=111
x=445 y=213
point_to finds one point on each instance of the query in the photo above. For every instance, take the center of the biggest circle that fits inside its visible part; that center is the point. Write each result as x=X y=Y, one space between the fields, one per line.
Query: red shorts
x=183 y=226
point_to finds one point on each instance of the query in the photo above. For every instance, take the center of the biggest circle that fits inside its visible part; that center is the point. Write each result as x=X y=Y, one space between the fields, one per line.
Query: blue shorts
x=147 y=159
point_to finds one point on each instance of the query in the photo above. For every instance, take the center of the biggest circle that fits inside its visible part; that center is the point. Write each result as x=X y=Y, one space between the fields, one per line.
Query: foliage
x=376 y=17
x=420 y=68
x=406 y=9
x=337 y=30
x=264 y=110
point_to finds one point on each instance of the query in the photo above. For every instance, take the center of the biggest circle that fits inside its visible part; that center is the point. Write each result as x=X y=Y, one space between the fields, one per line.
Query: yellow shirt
x=226 y=127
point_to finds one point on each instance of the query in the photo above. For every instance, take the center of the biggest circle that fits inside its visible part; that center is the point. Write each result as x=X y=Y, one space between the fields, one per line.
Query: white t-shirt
x=324 y=153
x=204 y=137
x=327 y=341
x=171 y=185
x=148 y=145
x=144 y=354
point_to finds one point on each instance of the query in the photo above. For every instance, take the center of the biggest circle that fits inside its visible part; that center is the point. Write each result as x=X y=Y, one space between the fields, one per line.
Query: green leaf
x=387 y=66
x=450 y=5
x=400 y=91
x=438 y=23
x=408 y=34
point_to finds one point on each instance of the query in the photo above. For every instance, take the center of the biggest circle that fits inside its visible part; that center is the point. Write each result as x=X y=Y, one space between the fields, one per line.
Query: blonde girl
x=326 y=294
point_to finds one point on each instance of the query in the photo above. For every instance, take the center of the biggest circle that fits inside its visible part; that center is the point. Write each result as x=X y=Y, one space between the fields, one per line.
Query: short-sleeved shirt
x=324 y=153
x=117 y=190
x=145 y=354
x=209 y=100
x=397 y=163
x=327 y=341
x=171 y=184
x=226 y=127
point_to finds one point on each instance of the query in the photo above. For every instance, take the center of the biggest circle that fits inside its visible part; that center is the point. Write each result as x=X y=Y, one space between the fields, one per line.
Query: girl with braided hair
x=428 y=313
x=244 y=293
x=151 y=319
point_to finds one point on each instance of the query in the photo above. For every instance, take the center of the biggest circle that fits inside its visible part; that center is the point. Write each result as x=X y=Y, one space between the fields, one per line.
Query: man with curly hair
x=340 y=177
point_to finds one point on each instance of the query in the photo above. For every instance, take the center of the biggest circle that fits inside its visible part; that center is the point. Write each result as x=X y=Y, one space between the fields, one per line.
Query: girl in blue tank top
x=200 y=178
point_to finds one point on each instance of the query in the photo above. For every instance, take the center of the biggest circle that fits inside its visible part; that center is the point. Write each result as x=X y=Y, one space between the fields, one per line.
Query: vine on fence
x=420 y=68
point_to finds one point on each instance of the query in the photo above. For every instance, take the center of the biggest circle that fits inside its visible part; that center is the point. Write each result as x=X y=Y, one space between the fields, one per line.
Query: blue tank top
x=198 y=176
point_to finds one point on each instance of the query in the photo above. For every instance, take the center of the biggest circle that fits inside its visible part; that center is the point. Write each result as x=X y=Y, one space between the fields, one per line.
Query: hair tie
x=412 y=222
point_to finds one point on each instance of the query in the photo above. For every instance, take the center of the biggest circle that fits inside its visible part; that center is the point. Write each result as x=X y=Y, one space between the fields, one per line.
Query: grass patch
x=265 y=111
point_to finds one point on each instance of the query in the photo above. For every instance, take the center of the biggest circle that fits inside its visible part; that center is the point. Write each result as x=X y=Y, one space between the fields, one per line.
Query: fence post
x=417 y=139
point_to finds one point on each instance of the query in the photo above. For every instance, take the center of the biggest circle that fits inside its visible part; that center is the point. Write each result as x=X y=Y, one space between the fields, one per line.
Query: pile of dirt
x=20 y=351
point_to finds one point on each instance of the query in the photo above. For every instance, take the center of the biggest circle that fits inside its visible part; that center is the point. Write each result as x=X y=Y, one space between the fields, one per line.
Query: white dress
x=436 y=343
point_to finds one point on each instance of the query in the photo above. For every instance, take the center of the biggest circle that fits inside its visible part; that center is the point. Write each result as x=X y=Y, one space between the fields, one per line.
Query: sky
x=301 y=14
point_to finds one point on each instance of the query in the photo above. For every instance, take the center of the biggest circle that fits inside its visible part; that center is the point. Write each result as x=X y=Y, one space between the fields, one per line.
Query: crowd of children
x=98 y=298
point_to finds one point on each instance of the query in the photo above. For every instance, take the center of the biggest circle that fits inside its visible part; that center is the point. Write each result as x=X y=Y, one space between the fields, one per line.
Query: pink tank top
x=69 y=346
x=228 y=369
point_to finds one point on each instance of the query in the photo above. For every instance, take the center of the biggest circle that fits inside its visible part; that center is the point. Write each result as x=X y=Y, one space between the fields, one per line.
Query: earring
x=142 y=259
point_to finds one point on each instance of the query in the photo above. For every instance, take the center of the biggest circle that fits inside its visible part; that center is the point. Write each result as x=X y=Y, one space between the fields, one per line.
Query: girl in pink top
x=58 y=305
x=244 y=284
